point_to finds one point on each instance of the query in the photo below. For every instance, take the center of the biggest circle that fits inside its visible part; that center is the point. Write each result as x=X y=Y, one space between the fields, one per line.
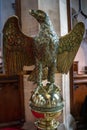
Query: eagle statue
x=46 y=50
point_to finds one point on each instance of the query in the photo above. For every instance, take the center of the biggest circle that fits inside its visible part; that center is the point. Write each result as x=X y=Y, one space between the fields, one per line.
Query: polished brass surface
x=48 y=123
x=46 y=51
x=56 y=54
x=47 y=100
x=51 y=51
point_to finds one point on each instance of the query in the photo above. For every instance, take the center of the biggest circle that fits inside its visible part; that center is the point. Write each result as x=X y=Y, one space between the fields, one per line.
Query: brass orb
x=47 y=100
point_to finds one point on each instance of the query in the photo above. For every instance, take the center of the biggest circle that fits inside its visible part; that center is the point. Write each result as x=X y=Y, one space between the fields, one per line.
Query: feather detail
x=68 y=47
x=45 y=50
x=17 y=47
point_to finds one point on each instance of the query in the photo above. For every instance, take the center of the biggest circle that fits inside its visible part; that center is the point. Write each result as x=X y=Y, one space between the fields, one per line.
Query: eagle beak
x=33 y=12
x=30 y=11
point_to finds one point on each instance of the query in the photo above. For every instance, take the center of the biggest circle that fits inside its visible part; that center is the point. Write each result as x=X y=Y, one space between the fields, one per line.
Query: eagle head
x=39 y=15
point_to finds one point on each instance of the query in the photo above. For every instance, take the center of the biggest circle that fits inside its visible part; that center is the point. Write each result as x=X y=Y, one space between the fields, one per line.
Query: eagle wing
x=17 y=47
x=68 y=47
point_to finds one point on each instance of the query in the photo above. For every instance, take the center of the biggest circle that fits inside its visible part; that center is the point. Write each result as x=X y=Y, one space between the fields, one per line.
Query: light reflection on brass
x=48 y=101
x=51 y=52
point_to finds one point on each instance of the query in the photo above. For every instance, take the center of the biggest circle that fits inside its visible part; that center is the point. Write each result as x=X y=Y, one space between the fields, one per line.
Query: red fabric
x=38 y=115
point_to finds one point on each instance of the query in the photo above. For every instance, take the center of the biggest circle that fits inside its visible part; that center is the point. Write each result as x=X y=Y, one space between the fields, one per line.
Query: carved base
x=46 y=105
x=46 y=124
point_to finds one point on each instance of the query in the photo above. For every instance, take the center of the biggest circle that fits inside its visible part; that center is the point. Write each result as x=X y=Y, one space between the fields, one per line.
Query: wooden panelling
x=79 y=94
x=11 y=99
